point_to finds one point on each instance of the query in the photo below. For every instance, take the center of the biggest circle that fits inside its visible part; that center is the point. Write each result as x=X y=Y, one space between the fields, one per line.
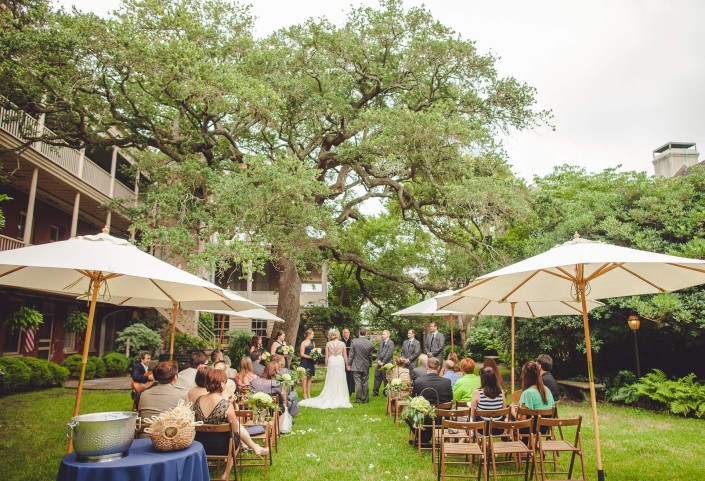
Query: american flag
x=28 y=341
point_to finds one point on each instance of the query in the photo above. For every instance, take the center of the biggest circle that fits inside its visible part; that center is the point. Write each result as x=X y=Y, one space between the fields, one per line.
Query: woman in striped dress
x=489 y=397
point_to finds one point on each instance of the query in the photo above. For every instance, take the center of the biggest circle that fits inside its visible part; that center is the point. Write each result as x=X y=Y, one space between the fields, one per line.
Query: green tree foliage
x=76 y=321
x=238 y=345
x=141 y=338
x=183 y=343
x=274 y=145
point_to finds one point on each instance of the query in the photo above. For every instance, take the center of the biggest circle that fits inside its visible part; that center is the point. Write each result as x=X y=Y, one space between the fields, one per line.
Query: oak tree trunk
x=289 y=304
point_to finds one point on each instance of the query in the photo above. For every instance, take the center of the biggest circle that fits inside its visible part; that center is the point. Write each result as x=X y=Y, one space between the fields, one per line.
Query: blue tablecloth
x=144 y=463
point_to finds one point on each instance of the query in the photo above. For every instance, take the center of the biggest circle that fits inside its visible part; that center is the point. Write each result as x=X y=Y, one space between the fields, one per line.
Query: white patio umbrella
x=103 y=266
x=230 y=300
x=582 y=269
x=528 y=309
x=429 y=308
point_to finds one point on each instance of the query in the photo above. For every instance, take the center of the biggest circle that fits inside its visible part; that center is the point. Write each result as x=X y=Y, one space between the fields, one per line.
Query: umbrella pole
x=175 y=306
x=222 y=328
x=86 y=346
x=591 y=377
x=513 y=304
x=450 y=321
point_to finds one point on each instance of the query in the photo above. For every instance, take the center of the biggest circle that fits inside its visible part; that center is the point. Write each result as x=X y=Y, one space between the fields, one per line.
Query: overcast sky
x=622 y=77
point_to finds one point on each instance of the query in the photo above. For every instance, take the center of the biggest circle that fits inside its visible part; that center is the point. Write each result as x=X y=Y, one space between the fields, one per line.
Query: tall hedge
x=116 y=363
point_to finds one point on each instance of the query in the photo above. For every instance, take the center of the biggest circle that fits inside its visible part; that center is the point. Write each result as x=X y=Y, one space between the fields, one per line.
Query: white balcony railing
x=8 y=243
x=21 y=126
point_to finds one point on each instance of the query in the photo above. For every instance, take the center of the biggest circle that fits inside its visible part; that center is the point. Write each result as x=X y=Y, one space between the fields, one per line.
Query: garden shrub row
x=113 y=363
x=29 y=374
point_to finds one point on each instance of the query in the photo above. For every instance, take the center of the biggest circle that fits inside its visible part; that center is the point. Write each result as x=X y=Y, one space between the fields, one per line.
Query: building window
x=56 y=233
x=70 y=342
x=259 y=328
x=311 y=287
x=221 y=326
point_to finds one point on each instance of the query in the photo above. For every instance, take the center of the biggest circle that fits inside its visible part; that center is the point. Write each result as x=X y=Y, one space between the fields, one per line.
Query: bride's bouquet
x=418 y=409
x=316 y=353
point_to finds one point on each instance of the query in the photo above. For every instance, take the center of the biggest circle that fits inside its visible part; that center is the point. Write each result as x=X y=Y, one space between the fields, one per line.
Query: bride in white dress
x=335 y=390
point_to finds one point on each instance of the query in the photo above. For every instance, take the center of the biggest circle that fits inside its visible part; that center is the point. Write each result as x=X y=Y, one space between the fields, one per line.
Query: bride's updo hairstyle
x=333 y=334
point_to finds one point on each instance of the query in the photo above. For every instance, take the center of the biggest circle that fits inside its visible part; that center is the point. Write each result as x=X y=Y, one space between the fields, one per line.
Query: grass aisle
x=361 y=443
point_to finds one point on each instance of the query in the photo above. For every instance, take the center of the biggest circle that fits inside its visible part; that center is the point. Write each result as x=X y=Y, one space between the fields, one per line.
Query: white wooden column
x=29 y=221
x=249 y=279
x=74 y=218
x=113 y=169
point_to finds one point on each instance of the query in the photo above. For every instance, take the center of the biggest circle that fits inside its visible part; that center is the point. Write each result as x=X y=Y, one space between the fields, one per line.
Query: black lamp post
x=634 y=324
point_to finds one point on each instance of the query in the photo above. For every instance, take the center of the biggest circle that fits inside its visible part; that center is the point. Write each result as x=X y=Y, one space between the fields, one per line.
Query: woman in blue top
x=535 y=395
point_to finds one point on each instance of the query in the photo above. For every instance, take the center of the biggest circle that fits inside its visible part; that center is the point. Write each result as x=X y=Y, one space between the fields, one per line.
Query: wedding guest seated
x=546 y=366
x=421 y=370
x=488 y=398
x=267 y=383
x=466 y=385
x=216 y=356
x=400 y=371
x=230 y=386
x=292 y=396
x=211 y=408
x=162 y=396
x=450 y=373
x=435 y=389
x=230 y=372
x=257 y=366
x=187 y=377
x=200 y=388
x=491 y=363
x=535 y=394
x=245 y=376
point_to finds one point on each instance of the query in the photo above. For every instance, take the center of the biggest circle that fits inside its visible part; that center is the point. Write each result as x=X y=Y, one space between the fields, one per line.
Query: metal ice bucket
x=102 y=436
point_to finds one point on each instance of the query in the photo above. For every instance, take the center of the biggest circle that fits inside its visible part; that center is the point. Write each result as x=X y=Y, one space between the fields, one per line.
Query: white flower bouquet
x=418 y=409
x=316 y=353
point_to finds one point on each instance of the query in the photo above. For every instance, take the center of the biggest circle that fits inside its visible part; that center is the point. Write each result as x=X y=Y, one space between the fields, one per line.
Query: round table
x=143 y=463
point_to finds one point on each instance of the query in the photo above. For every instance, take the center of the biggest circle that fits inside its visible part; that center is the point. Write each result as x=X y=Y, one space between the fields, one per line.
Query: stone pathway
x=116 y=383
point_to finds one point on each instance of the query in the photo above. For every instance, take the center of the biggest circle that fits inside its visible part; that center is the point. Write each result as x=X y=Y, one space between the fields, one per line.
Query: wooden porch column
x=29 y=221
x=74 y=218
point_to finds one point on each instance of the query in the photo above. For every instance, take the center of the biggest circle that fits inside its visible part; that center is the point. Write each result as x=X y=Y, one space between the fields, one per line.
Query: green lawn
x=357 y=444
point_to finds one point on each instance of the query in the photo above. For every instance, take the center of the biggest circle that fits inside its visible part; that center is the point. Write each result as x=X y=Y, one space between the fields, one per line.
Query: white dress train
x=335 y=390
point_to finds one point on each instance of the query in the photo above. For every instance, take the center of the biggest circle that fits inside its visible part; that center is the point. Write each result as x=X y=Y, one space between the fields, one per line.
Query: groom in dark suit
x=384 y=355
x=360 y=361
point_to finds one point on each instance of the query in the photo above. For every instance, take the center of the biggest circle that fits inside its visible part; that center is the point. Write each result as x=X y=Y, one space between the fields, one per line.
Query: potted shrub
x=77 y=321
x=24 y=318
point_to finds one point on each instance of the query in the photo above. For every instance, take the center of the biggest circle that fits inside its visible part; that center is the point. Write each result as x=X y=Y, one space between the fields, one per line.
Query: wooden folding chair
x=461 y=442
x=215 y=460
x=437 y=433
x=248 y=458
x=559 y=445
x=512 y=444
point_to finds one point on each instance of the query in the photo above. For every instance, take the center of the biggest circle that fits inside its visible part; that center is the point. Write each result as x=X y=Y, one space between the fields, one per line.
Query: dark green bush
x=239 y=344
x=99 y=366
x=17 y=374
x=58 y=374
x=73 y=364
x=184 y=343
x=116 y=363
x=40 y=375
x=684 y=396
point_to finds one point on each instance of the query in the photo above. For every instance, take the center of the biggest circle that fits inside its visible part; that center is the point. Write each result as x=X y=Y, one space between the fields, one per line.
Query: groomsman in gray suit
x=360 y=360
x=410 y=349
x=435 y=342
x=384 y=355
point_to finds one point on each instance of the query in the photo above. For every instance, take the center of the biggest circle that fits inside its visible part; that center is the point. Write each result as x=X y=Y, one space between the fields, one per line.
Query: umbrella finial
x=106 y=230
x=576 y=235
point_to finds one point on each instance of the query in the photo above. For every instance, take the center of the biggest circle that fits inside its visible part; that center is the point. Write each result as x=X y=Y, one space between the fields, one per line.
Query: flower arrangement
x=261 y=400
x=387 y=367
x=316 y=353
x=396 y=386
x=266 y=356
x=418 y=409
x=288 y=380
x=301 y=372
x=287 y=349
